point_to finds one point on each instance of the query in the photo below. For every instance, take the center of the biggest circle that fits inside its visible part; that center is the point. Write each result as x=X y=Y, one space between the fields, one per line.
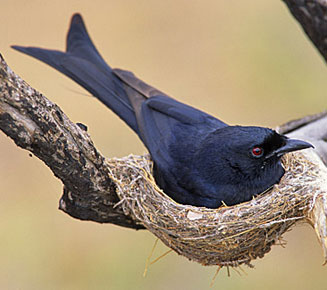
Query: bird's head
x=247 y=157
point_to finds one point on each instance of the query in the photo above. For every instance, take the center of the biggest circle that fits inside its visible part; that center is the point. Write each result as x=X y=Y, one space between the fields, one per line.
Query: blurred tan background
x=247 y=62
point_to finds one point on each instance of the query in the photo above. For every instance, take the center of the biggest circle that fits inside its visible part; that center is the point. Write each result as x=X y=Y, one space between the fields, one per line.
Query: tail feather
x=83 y=63
x=79 y=44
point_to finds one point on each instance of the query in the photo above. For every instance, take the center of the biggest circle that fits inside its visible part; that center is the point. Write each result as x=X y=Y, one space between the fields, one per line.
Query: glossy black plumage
x=199 y=160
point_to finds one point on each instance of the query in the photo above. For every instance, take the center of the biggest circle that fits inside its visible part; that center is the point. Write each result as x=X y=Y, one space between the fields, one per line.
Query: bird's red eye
x=257 y=151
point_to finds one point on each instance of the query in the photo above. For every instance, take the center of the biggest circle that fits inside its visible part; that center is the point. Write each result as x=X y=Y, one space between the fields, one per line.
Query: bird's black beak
x=290 y=146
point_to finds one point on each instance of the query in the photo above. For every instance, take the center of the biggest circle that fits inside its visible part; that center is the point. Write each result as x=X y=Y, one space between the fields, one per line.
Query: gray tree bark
x=312 y=15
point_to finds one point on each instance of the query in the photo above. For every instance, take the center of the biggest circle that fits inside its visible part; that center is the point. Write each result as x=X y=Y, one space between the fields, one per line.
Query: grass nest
x=226 y=236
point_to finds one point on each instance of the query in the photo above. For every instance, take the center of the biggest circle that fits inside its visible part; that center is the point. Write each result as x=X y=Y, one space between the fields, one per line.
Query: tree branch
x=312 y=15
x=38 y=125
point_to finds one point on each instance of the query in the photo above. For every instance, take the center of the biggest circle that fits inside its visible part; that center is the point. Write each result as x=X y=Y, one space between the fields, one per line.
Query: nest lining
x=227 y=236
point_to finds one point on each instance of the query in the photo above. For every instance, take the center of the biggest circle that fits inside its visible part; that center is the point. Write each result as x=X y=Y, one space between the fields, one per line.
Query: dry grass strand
x=227 y=236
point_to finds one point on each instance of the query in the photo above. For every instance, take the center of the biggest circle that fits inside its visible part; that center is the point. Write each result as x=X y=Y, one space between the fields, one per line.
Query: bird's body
x=198 y=159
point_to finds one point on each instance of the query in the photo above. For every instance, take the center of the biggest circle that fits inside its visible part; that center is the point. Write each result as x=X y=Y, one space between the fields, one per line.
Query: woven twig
x=227 y=236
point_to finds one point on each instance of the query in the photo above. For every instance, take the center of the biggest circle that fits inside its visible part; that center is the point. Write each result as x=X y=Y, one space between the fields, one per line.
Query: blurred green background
x=247 y=62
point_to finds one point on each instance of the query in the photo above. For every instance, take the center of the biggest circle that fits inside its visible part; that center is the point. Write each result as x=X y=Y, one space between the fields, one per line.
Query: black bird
x=198 y=159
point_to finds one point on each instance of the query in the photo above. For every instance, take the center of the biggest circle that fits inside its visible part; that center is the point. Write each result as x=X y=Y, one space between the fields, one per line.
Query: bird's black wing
x=161 y=119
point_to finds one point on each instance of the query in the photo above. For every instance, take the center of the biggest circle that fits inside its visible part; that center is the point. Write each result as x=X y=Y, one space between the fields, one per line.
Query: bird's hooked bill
x=290 y=146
